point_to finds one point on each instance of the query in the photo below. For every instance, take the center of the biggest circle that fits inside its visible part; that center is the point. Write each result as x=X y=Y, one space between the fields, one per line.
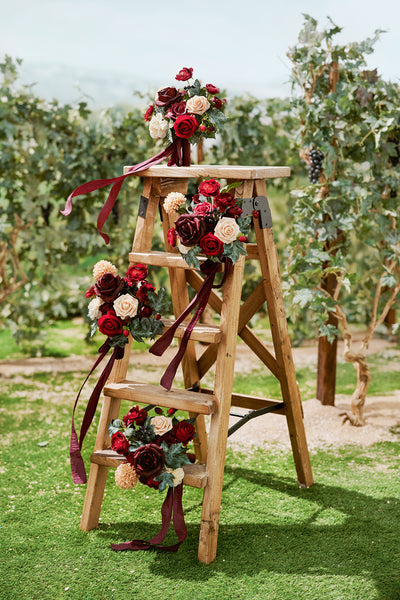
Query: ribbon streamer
x=209 y=268
x=178 y=155
x=172 y=507
x=77 y=464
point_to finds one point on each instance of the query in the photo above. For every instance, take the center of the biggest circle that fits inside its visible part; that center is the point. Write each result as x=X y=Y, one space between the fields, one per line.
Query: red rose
x=202 y=208
x=217 y=102
x=143 y=290
x=184 y=432
x=148 y=113
x=145 y=311
x=110 y=325
x=171 y=237
x=243 y=238
x=190 y=229
x=108 y=287
x=136 y=273
x=234 y=211
x=167 y=96
x=211 y=89
x=148 y=460
x=185 y=126
x=150 y=482
x=210 y=187
x=176 y=110
x=224 y=201
x=119 y=443
x=185 y=74
x=211 y=245
x=90 y=292
x=196 y=198
x=135 y=415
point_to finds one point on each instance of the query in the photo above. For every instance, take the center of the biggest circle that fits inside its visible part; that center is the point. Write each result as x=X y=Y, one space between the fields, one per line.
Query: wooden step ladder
x=221 y=347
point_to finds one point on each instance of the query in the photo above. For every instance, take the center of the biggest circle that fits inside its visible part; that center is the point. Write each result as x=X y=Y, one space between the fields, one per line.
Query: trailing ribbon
x=172 y=507
x=178 y=155
x=209 y=268
x=77 y=464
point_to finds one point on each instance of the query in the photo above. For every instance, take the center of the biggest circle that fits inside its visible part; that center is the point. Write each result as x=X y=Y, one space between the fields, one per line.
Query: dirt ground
x=322 y=423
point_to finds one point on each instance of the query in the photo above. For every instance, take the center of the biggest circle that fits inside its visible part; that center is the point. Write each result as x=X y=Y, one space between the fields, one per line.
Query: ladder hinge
x=261 y=204
x=143 y=206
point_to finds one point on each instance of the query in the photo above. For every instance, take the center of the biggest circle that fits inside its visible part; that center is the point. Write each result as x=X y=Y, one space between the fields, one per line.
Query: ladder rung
x=143 y=393
x=208 y=333
x=163 y=259
x=251 y=402
x=195 y=475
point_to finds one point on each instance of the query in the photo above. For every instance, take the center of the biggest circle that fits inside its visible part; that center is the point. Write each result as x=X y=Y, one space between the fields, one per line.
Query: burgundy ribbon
x=77 y=464
x=172 y=507
x=200 y=300
x=176 y=153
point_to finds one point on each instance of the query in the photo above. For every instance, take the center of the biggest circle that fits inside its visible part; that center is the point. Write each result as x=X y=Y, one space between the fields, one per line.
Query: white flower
x=197 y=105
x=183 y=249
x=102 y=267
x=94 y=308
x=173 y=201
x=158 y=127
x=226 y=230
x=126 y=306
x=161 y=424
x=178 y=475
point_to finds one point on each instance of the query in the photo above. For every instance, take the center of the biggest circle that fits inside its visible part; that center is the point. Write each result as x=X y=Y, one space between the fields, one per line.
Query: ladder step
x=210 y=334
x=195 y=475
x=163 y=259
x=250 y=402
x=143 y=393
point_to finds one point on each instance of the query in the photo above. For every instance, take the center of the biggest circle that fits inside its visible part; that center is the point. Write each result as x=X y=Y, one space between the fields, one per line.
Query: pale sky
x=130 y=44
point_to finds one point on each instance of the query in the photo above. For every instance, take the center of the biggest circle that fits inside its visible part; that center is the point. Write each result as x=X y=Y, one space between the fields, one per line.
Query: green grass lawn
x=337 y=540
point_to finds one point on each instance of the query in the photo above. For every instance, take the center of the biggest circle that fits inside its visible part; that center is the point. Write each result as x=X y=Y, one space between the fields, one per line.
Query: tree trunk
x=327 y=355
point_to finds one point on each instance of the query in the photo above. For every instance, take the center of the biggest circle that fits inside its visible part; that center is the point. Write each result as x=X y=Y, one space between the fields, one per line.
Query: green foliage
x=346 y=224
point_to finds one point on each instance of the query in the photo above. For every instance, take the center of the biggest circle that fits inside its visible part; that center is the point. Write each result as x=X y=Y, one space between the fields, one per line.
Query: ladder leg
x=94 y=497
x=220 y=421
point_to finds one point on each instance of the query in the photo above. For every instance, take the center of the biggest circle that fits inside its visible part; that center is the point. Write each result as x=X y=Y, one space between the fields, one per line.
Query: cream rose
x=173 y=201
x=102 y=267
x=161 y=424
x=126 y=306
x=158 y=127
x=94 y=308
x=178 y=475
x=197 y=105
x=183 y=249
x=226 y=230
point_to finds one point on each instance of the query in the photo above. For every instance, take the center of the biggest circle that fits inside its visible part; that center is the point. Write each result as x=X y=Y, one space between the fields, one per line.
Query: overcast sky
x=240 y=45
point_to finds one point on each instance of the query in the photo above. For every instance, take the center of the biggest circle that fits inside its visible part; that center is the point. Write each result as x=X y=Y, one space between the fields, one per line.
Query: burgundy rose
x=169 y=438
x=191 y=457
x=224 y=201
x=107 y=307
x=150 y=481
x=145 y=311
x=218 y=103
x=136 y=273
x=90 y=292
x=167 y=96
x=148 y=460
x=148 y=113
x=211 y=245
x=110 y=325
x=196 y=198
x=184 y=432
x=190 y=229
x=185 y=74
x=176 y=110
x=234 y=211
x=185 y=126
x=119 y=443
x=210 y=187
x=143 y=291
x=202 y=208
x=172 y=237
x=211 y=89
x=135 y=415
x=108 y=287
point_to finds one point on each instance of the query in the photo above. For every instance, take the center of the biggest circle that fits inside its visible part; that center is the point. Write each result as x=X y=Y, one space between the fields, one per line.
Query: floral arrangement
x=189 y=113
x=155 y=447
x=208 y=223
x=120 y=306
